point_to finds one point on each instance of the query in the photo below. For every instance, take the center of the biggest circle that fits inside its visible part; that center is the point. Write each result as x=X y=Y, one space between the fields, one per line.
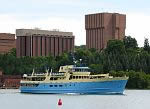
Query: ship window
x=33 y=79
x=23 y=84
x=50 y=85
x=55 y=78
x=60 y=85
x=70 y=78
x=35 y=85
x=55 y=85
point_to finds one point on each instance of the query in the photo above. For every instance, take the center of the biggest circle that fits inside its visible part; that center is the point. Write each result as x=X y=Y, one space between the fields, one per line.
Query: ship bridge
x=75 y=70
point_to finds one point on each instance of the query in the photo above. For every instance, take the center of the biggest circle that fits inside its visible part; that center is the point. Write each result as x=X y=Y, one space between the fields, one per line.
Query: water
x=132 y=99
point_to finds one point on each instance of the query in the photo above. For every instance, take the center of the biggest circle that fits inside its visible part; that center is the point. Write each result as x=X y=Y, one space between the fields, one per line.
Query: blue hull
x=102 y=87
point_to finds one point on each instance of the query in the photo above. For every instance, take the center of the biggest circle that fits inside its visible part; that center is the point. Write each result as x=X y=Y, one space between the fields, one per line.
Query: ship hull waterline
x=101 y=87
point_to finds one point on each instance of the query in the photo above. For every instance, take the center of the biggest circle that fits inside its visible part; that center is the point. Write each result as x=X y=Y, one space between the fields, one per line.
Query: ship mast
x=33 y=73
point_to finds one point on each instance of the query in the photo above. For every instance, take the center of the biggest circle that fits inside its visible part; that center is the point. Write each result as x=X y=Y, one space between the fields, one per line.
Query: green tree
x=130 y=42
x=146 y=45
x=115 y=47
x=96 y=68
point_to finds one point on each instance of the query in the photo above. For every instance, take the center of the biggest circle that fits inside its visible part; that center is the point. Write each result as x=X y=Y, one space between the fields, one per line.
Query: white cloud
x=138 y=26
x=8 y=24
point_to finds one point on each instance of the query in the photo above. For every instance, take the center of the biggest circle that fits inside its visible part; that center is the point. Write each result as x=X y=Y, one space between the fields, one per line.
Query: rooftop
x=29 y=32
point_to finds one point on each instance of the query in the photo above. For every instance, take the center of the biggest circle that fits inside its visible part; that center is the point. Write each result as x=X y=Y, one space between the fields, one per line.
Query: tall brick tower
x=102 y=27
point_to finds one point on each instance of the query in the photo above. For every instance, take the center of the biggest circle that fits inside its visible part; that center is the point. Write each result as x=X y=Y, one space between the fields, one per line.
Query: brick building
x=9 y=81
x=102 y=27
x=1 y=73
x=12 y=83
x=33 y=42
x=7 y=42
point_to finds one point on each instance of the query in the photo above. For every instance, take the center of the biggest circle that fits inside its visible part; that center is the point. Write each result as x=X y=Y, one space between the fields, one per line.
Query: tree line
x=118 y=58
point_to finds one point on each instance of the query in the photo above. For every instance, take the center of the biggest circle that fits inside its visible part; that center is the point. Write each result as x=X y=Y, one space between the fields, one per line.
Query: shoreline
x=125 y=89
x=9 y=88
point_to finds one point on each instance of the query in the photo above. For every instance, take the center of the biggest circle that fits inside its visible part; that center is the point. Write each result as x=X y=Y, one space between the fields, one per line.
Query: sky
x=69 y=16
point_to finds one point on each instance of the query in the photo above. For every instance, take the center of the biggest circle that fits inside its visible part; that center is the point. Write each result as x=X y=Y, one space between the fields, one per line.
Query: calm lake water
x=132 y=99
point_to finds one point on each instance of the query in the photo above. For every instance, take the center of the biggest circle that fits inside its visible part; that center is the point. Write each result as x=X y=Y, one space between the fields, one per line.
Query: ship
x=72 y=79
